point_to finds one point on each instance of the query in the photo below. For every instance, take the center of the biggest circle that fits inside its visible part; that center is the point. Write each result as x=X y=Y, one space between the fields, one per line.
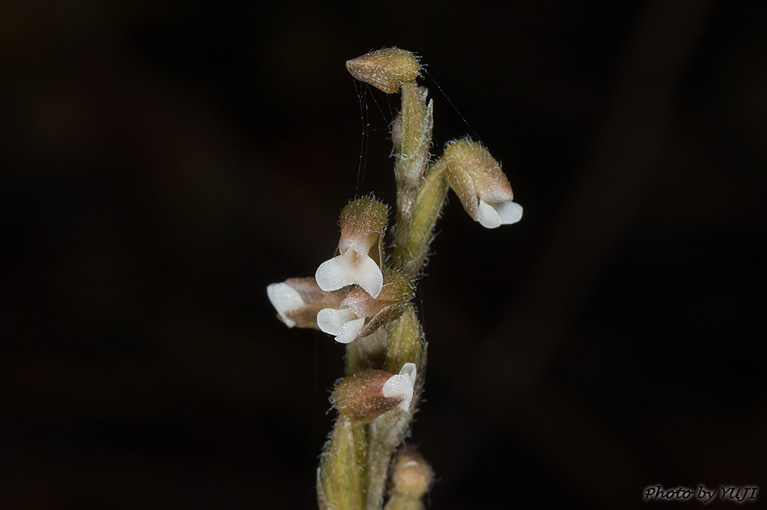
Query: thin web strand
x=365 y=120
x=477 y=137
x=387 y=121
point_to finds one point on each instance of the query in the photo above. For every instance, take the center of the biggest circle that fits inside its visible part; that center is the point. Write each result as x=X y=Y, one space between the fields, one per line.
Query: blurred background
x=164 y=161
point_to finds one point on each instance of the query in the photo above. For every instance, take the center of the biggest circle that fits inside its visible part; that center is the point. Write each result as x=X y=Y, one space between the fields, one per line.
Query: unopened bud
x=481 y=186
x=297 y=301
x=349 y=320
x=411 y=474
x=363 y=222
x=386 y=69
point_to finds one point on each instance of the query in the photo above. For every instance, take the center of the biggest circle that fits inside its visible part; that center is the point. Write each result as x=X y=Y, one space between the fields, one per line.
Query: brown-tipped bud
x=481 y=186
x=363 y=396
x=363 y=222
x=297 y=301
x=359 y=314
x=411 y=474
x=386 y=69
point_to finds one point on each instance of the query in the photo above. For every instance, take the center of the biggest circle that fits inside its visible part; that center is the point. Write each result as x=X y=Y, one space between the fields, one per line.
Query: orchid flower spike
x=401 y=385
x=359 y=314
x=481 y=186
x=297 y=301
x=362 y=227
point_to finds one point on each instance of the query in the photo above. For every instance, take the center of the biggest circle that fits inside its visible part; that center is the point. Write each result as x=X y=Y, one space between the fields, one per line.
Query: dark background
x=164 y=161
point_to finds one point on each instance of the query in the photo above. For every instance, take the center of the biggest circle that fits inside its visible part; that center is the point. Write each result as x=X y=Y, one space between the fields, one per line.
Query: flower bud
x=363 y=222
x=297 y=301
x=411 y=474
x=481 y=186
x=386 y=69
x=349 y=320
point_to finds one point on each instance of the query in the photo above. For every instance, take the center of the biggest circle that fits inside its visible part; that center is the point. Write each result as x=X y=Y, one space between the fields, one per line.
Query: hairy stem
x=412 y=156
x=385 y=433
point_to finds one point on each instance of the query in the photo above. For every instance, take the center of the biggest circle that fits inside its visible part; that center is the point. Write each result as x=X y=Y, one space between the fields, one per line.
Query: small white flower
x=349 y=319
x=481 y=186
x=297 y=301
x=363 y=222
x=343 y=324
x=284 y=299
x=401 y=385
x=349 y=268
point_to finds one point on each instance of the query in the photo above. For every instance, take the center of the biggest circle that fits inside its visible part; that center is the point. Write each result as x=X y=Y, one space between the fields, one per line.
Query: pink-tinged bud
x=481 y=186
x=363 y=396
x=386 y=69
x=411 y=474
x=360 y=314
x=363 y=222
x=297 y=301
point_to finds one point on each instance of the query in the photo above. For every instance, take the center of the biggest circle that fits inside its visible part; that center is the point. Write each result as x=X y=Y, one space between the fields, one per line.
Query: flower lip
x=343 y=324
x=285 y=299
x=401 y=385
x=493 y=215
x=348 y=268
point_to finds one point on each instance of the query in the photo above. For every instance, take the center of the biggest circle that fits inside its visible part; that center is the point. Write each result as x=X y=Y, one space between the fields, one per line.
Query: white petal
x=335 y=273
x=409 y=369
x=510 y=212
x=488 y=216
x=284 y=298
x=369 y=276
x=331 y=320
x=401 y=385
x=350 y=330
x=350 y=268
